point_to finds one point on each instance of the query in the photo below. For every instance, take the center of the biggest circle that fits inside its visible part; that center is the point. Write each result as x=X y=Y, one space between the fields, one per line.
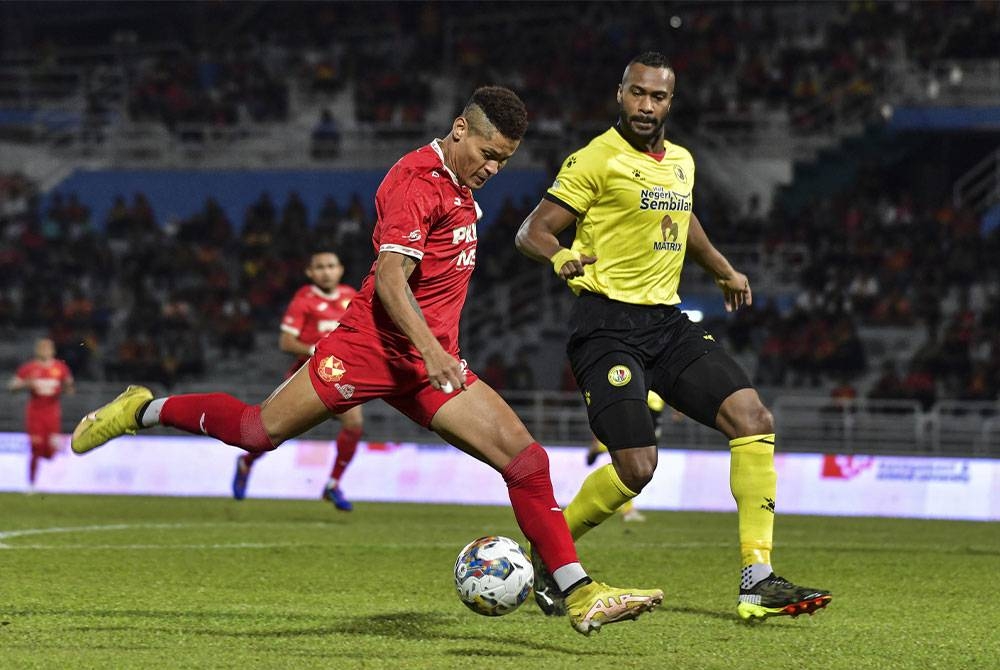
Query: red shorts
x=349 y=368
x=43 y=426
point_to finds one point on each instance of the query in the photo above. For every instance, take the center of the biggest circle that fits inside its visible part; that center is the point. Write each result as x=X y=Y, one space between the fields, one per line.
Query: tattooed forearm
x=414 y=304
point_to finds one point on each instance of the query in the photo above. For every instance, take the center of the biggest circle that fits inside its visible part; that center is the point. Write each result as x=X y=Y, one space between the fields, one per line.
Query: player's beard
x=625 y=123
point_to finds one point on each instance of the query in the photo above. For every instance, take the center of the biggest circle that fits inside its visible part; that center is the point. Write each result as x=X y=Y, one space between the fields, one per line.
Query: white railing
x=804 y=424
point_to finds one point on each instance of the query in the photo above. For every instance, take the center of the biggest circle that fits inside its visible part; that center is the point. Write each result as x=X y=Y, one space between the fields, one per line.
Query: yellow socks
x=753 y=482
x=601 y=494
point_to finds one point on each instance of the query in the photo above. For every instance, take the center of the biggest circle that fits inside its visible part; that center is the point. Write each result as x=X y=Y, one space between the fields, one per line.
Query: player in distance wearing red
x=46 y=378
x=399 y=341
x=315 y=311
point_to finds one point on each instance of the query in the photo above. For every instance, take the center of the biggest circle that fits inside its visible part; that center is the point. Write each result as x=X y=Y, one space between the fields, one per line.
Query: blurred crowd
x=137 y=298
x=224 y=64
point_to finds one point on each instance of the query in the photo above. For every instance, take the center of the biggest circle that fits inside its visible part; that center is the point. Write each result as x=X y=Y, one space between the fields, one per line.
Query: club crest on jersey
x=659 y=199
x=619 y=375
x=330 y=369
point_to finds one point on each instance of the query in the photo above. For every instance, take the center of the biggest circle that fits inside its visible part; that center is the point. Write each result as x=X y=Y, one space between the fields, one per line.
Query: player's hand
x=574 y=268
x=444 y=371
x=735 y=291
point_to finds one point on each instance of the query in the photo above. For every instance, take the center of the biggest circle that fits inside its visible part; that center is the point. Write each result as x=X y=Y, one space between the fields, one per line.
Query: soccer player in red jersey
x=45 y=378
x=315 y=311
x=398 y=341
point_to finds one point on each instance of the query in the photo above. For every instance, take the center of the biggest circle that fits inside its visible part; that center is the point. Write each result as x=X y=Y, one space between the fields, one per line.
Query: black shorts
x=619 y=351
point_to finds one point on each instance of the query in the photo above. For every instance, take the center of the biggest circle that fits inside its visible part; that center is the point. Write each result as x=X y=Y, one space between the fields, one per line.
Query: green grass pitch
x=115 y=582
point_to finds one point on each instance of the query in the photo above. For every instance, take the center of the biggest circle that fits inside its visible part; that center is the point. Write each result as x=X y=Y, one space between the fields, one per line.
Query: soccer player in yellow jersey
x=630 y=194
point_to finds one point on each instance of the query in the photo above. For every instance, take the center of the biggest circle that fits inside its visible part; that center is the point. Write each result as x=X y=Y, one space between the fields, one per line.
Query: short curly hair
x=651 y=59
x=502 y=108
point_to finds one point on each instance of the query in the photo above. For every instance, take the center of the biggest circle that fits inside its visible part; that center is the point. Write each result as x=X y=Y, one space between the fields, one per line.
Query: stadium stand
x=847 y=162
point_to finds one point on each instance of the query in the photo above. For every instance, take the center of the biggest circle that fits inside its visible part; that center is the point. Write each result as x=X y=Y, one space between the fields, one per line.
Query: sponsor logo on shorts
x=346 y=390
x=331 y=369
x=619 y=375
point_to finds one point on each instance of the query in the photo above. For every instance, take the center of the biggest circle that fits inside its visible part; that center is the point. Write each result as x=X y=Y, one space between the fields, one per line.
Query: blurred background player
x=46 y=378
x=313 y=312
x=655 y=404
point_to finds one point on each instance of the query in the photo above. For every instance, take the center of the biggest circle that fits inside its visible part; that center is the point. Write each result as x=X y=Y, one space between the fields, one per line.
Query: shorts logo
x=330 y=369
x=619 y=375
x=346 y=390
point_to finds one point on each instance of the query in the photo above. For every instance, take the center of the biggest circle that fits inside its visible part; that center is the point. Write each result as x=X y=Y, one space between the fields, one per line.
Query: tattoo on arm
x=409 y=265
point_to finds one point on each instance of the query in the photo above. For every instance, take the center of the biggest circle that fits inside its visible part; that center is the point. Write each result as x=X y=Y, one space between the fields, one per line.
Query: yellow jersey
x=633 y=213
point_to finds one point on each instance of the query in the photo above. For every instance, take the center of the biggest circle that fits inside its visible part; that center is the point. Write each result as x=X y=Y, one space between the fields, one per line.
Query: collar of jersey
x=436 y=146
x=624 y=141
x=323 y=294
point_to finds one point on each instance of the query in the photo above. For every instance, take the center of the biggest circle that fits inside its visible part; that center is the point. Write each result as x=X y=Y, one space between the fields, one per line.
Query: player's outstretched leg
x=480 y=423
x=119 y=417
x=775 y=596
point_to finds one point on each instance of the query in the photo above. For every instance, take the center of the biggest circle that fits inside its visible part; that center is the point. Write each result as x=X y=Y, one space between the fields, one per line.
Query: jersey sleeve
x=406 y=209
x=295 y=317
x=67 y=374
x=579 y=181
x=23 y=371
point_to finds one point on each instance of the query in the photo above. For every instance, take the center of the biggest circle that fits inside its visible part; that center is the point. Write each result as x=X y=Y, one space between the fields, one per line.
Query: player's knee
x=353 y=424
x=635 y=473
x=759 y=420
x=530 y=462
x=254 y=436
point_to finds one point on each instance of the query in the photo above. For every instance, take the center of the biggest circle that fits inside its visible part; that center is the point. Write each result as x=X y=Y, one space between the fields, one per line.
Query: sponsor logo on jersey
x=458 y=201
x=413 y=236
x=619 y=375
x=679 y=173
x=658 y=199
x=320 y=307
x=464 y=234
x=669 y=233
x=346 y=390
x=466 y=258
x=331 y=369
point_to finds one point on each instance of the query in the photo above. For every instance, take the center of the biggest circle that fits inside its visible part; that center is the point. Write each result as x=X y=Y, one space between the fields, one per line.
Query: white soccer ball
x=493 y=575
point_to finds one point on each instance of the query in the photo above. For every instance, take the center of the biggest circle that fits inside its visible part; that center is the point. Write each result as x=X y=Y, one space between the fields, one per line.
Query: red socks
x=220 y=416
x=540 y=518
x=347 y=444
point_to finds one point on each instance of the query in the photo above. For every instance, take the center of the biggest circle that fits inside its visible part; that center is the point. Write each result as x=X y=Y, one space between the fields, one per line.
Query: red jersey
x=423 y=212
x=313 y=313
x=46 y=382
